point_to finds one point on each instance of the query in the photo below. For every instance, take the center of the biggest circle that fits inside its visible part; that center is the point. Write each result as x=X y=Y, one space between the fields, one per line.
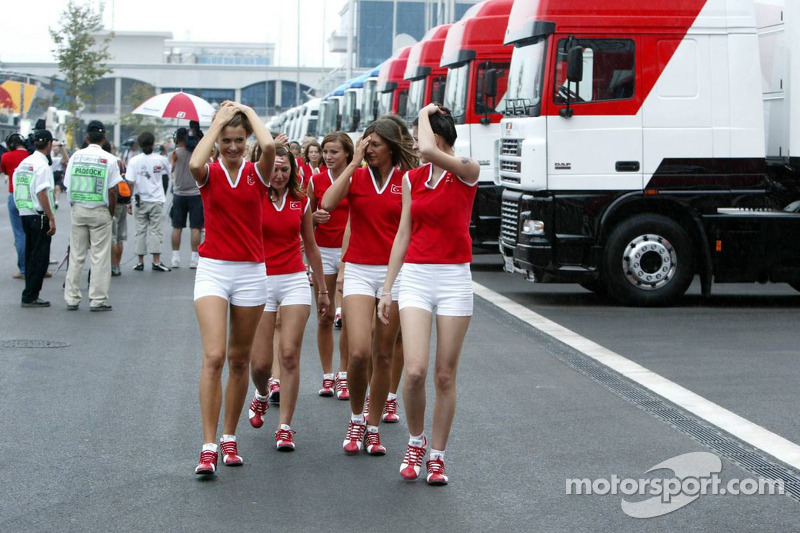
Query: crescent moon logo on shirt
x=250 y=180
x=294 y=205
x=397 y=189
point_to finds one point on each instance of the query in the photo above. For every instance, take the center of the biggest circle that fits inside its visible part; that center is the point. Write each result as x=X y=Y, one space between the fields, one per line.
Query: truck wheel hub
x=649 y=262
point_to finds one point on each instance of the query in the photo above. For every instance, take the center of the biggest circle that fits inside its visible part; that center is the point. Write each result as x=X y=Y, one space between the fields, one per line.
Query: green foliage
x=81 y=59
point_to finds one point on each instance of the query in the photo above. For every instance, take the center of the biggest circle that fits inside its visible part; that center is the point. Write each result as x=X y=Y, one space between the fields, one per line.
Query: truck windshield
x=385 y=102
x=525 y=79
x=368 y=105
x=455 y=97
x=348 y=111
x=416 y=97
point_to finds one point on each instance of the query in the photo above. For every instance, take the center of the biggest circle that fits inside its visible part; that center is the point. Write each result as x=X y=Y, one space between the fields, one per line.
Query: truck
x=426 y=78
x=642 y=146
x=477 y=60
x=392 y=89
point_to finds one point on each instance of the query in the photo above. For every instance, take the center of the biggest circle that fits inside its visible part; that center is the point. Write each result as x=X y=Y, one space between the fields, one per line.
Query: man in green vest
x=91 y=179
x=33 y=196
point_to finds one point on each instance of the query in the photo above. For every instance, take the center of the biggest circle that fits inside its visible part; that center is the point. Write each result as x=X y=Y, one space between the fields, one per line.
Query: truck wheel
x=648 y=261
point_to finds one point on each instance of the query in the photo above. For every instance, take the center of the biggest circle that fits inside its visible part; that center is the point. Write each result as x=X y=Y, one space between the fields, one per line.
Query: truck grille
x=510 y=166
x=509 y=212
x=510 y=147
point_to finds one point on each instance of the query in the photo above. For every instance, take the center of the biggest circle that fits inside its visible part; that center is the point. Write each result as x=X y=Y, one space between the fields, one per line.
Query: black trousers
x=37 y=254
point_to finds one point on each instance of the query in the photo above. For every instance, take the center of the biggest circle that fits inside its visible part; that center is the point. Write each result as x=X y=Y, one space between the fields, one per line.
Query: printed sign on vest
x=23 y=177
x=88 y=181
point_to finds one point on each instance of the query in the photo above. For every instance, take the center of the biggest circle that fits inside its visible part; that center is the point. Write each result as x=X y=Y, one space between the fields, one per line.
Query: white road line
x=753 y=434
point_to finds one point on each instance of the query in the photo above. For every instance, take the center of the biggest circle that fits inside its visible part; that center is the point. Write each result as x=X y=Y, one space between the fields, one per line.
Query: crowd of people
x=379 y=228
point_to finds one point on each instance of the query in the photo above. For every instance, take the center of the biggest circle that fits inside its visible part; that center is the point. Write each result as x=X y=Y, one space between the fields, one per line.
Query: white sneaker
x=176 y=263
x=193 y=263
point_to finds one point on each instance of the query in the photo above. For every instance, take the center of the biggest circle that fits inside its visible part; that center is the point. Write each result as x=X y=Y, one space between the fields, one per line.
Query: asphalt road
x=103 y=434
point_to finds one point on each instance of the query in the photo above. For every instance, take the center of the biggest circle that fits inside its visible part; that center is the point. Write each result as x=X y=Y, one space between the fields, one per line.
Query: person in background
x=91 y=179
x=145 y=171
x=337 y=150
x=119 y=226
x=33 y=195
x=312 y=154
x=59 y=158
x=186 y=201
x=434 y=248
x=8 y=164
x=286 y=218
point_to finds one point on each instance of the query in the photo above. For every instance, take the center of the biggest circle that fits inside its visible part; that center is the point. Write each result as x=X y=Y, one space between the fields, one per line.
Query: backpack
x=124 y=192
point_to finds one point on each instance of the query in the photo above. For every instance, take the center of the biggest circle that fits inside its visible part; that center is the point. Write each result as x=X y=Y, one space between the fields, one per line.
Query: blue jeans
x=19 y=233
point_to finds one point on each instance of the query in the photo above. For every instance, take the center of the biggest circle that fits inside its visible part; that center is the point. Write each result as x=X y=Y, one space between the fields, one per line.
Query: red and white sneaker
x=208 y=462
x=274 y=394
x=230 y=454
x=390 y=412
x=436 y=473
x=327 y=389
x=258 y=408
x=284 y=439
x=412 y=462
x=354 y=439
x=372 y=442
x=342 y=392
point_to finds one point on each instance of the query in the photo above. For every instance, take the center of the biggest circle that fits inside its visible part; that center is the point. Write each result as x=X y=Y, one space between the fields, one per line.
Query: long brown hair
x=401 y=144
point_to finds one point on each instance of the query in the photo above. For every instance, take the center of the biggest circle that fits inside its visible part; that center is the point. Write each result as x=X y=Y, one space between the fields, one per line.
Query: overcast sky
x=26 y=37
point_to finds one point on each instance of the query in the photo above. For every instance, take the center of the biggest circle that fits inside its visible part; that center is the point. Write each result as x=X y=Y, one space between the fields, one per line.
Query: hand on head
x=282 y=140
x=432 y=109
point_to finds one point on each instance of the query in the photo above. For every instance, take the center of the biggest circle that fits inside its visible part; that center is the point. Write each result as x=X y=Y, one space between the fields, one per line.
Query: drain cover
x=26 y=343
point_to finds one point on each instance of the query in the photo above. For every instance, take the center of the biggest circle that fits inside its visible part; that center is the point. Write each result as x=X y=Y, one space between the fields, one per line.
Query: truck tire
x=647 y=261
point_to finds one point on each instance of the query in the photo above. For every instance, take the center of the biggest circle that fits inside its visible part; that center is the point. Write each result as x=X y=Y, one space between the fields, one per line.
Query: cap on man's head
x=96 y=125
x=42 y=135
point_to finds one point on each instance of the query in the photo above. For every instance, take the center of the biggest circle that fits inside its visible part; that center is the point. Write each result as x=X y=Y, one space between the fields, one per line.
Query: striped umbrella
x=176 y=105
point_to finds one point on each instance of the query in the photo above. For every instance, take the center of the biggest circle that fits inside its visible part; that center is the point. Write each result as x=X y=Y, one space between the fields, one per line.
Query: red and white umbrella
x=176 y=105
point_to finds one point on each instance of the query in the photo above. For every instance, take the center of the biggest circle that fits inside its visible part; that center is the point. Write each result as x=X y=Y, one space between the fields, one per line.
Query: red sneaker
x=284 y=440
x=327 y=387
x=342 y=393
x=258 y=409
x=412 y=462
x=373 y=444
x=390 y=412
x=230 y=455
x=436 y=473
x=274 y=394
x=354 y=439
x=208 y=463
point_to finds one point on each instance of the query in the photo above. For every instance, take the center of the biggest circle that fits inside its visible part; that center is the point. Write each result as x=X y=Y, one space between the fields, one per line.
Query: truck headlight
x=532 y=227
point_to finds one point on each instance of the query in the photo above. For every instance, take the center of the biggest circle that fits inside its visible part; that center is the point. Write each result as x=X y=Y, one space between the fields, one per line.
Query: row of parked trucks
x=624 y=147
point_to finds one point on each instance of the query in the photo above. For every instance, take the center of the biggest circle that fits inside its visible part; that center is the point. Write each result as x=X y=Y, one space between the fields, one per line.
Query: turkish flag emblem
x=294 y=205
x=397 y=189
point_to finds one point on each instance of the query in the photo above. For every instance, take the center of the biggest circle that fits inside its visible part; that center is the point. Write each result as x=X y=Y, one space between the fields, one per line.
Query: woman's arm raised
x=465 y=168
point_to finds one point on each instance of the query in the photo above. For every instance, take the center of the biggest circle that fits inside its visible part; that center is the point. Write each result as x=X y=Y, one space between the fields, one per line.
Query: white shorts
x=287 y=289
x=448 y=288
x=331 y=260
x=242 y=284
x=367 y=280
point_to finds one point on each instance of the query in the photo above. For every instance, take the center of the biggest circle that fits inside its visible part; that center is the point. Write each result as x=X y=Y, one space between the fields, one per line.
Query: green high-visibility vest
x=88 y=181
x=23 y=178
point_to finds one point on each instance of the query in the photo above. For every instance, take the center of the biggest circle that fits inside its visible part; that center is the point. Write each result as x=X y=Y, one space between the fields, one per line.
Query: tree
x=139 y=92
x=81 y=59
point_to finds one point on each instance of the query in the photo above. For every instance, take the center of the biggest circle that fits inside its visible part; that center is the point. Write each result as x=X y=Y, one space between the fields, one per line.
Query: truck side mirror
x=490 y=83
x=356 y=118
x=438 y=96
x=575 y=64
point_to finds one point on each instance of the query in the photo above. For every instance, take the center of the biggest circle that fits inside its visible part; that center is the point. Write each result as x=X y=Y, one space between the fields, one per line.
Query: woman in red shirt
x=374 y=194
x=434 y=243
x=337 y=150
x=230 y=274
x=286 y=218
x=312 y=154
x=8 y=164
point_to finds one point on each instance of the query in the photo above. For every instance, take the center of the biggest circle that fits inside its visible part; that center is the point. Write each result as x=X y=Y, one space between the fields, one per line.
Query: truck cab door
x=596 y=146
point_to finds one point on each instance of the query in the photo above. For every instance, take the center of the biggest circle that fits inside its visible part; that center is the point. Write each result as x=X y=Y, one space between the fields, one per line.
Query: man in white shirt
x=145 y=171
x=91 y=180
x=33 y=196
